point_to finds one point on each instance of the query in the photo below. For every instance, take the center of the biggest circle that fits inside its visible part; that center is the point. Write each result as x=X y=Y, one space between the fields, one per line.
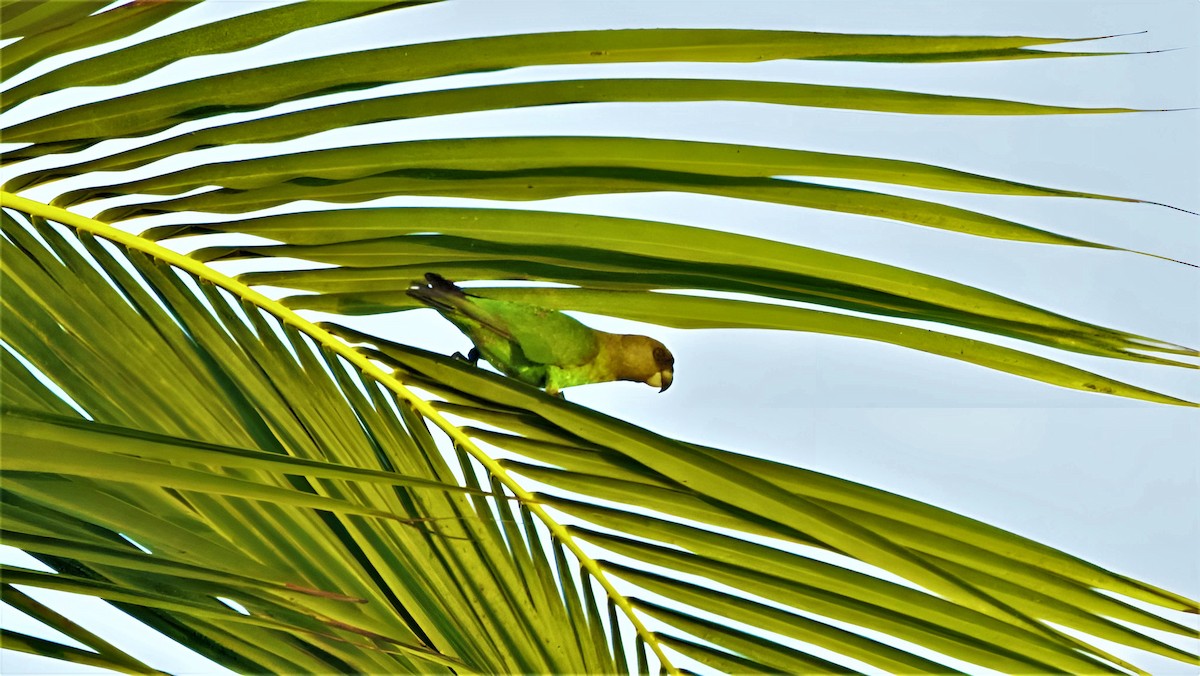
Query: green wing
x=545 y=336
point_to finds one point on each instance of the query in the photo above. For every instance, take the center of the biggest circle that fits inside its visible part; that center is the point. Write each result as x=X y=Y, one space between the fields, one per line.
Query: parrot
x=544 y=348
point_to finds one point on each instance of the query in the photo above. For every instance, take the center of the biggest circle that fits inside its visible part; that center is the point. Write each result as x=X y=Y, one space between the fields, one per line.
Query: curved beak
x=664 y=378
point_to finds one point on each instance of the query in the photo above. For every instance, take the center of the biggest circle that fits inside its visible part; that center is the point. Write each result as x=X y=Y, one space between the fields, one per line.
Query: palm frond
x=355 y=516
x=175 y=440
x=304 y=402
x=631 y=256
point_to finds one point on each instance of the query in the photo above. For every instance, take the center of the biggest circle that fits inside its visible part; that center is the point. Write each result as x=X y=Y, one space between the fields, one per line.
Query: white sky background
x=1111 y=480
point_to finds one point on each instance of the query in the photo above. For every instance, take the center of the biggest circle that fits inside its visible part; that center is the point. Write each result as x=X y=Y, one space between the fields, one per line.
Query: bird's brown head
x=647 y=361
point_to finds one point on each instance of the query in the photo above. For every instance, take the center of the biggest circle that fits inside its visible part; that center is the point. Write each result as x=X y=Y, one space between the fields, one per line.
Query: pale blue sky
x=1110 y=480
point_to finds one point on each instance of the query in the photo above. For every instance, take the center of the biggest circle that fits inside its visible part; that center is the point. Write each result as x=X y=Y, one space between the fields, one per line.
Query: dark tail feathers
x=437 y=291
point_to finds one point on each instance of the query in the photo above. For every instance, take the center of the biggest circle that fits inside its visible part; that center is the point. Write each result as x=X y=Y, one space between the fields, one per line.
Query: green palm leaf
x=174 y=439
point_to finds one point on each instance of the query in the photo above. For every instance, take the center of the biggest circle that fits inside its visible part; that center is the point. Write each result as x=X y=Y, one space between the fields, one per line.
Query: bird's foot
x=472 y=357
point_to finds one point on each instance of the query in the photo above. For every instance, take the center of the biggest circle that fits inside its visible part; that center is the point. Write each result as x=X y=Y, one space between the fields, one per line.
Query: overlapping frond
x=381 y=509
x=595 y=253
x=368 y=541
x=267 y=471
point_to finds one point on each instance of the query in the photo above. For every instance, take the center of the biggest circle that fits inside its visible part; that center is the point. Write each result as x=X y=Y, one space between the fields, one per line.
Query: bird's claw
x=472 y=357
